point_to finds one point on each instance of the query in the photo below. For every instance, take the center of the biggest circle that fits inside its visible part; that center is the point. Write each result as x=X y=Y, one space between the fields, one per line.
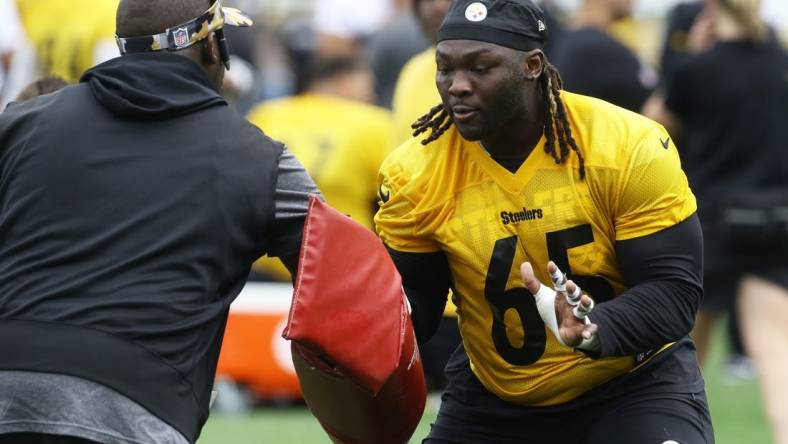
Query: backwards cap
x=516 y=24
x=186 y=34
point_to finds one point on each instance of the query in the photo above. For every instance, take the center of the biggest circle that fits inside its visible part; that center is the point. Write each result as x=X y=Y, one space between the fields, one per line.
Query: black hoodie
x=133 y=89
x=132 y=206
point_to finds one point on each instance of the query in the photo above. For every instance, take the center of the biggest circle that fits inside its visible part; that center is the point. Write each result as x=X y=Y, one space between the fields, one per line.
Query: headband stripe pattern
x=187 y=34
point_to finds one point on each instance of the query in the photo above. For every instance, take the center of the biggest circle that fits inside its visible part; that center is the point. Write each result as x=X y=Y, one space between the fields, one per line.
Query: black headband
x=517 y=24
x=186 y=34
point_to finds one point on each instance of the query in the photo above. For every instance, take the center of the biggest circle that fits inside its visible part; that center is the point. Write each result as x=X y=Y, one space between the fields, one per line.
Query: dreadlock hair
x=556 y=123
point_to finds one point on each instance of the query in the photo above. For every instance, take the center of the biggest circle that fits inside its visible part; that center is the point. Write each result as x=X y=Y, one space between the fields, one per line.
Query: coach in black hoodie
x=132 y=206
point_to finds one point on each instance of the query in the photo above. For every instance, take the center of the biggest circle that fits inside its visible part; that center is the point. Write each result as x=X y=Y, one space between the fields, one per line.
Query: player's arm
x=426 y=280
x=405 y=225
x=664 y=273
x=659 y=249
x=291 y=197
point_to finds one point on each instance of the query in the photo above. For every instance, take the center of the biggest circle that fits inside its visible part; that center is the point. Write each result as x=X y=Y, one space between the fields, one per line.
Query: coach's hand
x=563 y=309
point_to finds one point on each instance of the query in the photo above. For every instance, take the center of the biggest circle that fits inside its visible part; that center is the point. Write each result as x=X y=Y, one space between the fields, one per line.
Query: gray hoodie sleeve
x=293 y=188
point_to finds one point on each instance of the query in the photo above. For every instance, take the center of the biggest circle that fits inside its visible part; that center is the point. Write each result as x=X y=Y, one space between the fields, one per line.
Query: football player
x=511 y=182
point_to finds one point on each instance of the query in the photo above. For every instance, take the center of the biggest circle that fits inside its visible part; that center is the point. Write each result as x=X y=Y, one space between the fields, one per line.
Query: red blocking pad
x=353 y=343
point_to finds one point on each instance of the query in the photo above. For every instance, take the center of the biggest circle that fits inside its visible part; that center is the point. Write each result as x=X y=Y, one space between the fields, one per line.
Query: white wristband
x=545 y=304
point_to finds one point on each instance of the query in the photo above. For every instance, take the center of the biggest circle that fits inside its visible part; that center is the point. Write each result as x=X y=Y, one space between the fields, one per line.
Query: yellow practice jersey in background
x=414 y=94
x=65 y=33
x=451 y=196
x=341 y=143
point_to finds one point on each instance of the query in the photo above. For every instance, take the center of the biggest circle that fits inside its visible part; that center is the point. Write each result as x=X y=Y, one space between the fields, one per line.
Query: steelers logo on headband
x=186 y=34
x=476 y=12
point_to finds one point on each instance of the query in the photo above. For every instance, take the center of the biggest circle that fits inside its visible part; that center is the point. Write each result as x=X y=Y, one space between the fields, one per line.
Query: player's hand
x=702 y=34
x=564 y=309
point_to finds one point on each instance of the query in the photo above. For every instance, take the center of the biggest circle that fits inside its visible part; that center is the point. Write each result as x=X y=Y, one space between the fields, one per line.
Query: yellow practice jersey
x=414 y=94
x=341 y=143
x=65 y=33
x=451 y=196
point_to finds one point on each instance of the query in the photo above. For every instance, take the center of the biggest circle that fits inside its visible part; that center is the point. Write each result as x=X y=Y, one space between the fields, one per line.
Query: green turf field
x=736 y=411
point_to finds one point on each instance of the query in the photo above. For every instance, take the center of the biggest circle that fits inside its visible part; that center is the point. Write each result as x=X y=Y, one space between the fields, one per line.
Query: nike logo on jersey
x=384 y=193
x=513 y=217
x=665 y=143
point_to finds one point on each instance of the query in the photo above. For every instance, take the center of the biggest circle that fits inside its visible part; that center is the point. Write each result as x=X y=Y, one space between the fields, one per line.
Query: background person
x=415 y=88
x=58 y=37
x=336 y=133
x=734 y=148
x=689 y=31
x=344 y=27
x=682 y=39
x=593 y=63
x=392 y=47
x=69 y=37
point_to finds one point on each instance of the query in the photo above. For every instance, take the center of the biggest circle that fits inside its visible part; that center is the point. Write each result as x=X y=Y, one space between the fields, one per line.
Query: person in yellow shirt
x=415 y=89
x=336 y=134
x=512 y=181
x=69 y=37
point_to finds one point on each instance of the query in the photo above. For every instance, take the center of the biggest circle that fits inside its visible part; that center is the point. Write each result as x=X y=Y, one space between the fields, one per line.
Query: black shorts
x=662 y=403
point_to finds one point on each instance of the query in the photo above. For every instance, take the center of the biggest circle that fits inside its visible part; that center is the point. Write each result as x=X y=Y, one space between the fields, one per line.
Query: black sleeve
x=426 y=279
x=664 y=272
